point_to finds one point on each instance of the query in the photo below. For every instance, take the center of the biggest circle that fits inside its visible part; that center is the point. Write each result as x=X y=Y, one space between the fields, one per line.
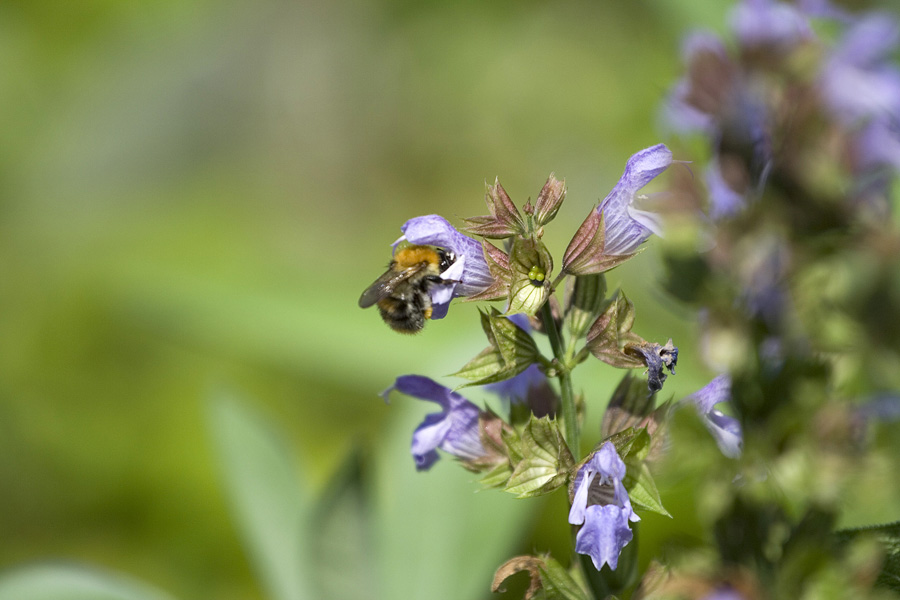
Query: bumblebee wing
x=385 y=285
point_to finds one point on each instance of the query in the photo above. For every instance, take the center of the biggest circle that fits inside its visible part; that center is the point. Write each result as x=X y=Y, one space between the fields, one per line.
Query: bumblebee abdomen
x=406 y=314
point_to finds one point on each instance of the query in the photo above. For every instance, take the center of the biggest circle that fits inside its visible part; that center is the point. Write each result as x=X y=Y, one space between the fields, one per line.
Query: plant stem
x=570 y=419
x=558 y=280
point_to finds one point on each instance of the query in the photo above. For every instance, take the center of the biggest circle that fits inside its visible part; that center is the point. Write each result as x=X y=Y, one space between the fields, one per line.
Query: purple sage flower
x=823 y=9
x=693 y=104
x=628 y=222
x=877 y=145
x=882 y=407
x=454 y=430
x=515 y=389
x=469 y=271
x=724 y=593
x=859 y=82
x=724 y=202
x=767 y=23
x=602 y=507
x=718 y=98
x=726 y=430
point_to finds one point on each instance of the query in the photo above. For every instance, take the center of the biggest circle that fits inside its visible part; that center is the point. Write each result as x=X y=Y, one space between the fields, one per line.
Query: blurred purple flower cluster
x=783 y=91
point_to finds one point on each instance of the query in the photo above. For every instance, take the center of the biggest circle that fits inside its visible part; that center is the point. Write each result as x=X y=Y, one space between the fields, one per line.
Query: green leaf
x=642 y=489
x=337 y=536
x=549 y=580
x=546 y=460
x=889 y=537
x=267 y=497
x=557 y=583
x=53 y=582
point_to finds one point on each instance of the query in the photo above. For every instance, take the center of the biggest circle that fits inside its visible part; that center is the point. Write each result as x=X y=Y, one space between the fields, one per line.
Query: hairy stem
x=565 y=381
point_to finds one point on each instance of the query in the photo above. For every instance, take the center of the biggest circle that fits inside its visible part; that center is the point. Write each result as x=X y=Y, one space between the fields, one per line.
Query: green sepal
x=611 y=331
x=513 y=443
x=585 y=303
x=487 y=364
x=530 y=265
x=512 y=350
x=633 y=442
x=625 y=314
x=498 y=265
x=514 y=343
x=549 y=200
x=549 y=579
x=546 y=460
x=642 y=489
x=585 y=254
x=629 y=405
x=504 y=219
x=497 y=477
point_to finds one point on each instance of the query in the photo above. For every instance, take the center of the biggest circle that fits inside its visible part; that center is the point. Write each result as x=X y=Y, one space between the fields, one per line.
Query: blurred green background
x=194 y=193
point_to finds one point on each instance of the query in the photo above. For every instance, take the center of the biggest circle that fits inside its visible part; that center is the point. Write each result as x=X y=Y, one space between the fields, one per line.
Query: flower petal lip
x=604 y=533
x=724 y=429
x=716 y=391
x=626 y=228
x=470 y=269
x=453 y=430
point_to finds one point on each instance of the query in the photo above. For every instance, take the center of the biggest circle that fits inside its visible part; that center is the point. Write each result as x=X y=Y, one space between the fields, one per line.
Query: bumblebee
x=402 y=293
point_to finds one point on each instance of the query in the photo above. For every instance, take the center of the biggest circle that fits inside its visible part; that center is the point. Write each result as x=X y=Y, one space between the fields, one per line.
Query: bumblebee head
x=447 y=258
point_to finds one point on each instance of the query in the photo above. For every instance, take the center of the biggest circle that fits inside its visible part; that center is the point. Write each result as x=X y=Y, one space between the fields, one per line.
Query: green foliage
x=512 y=350
x=888 y=537
x=269 y=502
x=549 y=580
x=53 y=582
x=544 y=462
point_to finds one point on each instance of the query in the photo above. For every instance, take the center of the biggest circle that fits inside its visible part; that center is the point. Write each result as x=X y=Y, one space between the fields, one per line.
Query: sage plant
x=537 y=449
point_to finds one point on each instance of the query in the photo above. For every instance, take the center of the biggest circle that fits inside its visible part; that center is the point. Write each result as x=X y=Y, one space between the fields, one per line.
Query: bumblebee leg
x=437 y=279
